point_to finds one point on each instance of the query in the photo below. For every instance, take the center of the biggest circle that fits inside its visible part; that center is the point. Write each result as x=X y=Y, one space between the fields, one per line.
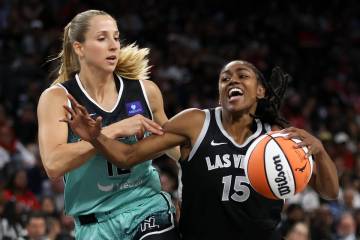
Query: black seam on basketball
x=293 y=176
x=266 y=175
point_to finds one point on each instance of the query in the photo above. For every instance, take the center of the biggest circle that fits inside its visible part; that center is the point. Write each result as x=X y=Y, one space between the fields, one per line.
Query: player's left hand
x=313 y=144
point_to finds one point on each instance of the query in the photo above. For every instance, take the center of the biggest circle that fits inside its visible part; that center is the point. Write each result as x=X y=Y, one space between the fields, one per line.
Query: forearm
x=326 y=181
x=126 y=155
x=114 y=151
x=67 y=157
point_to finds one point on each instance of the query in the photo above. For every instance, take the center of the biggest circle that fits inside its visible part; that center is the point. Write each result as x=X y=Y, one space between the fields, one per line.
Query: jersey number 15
x=241 y=191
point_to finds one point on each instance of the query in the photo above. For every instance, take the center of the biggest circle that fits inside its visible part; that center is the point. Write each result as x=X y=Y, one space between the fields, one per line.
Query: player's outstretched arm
x=177 y=131
x=324 y=179
x=125 y=156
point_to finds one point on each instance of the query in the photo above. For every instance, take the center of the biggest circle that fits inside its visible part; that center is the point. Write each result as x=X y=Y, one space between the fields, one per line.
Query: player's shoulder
x=187 y=122
x=152 y=91
x=53 y=94
x=54 y=91
x=194 y=112
x=192 y=117
x=150 y=86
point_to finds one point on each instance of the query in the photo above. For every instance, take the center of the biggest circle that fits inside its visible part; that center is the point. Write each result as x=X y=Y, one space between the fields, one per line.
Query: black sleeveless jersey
x=218 y=201
x=131 y=100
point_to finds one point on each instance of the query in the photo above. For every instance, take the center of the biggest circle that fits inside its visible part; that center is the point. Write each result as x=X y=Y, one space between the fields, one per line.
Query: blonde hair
x=132 y=63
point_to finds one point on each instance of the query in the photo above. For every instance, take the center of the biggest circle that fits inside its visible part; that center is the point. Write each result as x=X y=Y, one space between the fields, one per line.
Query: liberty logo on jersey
x=134 y=108
x=149 y=224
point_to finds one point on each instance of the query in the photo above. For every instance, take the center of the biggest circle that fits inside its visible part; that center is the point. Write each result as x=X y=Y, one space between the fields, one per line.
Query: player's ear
x=78 y=48
x=260 y=91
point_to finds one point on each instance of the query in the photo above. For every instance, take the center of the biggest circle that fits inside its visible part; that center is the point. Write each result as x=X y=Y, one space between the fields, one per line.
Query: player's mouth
x=111 y=59
x=235 y=93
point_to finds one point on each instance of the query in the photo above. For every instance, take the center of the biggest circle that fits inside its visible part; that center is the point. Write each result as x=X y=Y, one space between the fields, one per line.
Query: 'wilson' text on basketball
x=281 y=181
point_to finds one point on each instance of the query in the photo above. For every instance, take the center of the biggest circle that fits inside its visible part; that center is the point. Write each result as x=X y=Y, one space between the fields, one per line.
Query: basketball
x=275 y=168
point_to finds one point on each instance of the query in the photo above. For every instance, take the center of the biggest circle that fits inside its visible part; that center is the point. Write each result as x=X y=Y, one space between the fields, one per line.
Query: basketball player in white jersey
x=218 y=202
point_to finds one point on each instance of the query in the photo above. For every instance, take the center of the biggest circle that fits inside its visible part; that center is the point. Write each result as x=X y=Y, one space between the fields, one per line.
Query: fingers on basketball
x=276 y=168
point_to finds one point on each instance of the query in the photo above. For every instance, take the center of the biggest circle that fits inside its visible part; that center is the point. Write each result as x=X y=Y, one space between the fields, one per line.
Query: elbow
x=334 y=194
x=52 y=171
x=331 y=194
x=330 y=197
x=53 y=174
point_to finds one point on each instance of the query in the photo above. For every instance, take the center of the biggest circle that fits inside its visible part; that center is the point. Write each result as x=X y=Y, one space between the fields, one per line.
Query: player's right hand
x=81 y=122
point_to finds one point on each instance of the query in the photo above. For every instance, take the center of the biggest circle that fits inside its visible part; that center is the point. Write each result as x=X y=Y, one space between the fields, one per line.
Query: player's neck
x=97 y=84
x=237 y=126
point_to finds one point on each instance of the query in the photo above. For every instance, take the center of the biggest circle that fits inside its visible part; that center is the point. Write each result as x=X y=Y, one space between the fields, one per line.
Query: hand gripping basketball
x=277 y=166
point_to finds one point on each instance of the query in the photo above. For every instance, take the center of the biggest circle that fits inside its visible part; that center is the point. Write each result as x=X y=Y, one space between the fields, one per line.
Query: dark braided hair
x=268 y=107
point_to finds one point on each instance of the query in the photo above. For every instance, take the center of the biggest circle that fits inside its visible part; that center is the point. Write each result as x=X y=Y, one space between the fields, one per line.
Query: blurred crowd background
x=317 y=43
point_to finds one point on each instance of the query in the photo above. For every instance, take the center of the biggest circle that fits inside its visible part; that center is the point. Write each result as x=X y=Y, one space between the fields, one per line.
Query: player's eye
x=225 y=78
x=243 y=76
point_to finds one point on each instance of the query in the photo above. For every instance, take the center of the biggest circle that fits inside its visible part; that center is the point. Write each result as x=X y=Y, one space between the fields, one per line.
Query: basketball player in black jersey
x=218 y=202
x=110 y=81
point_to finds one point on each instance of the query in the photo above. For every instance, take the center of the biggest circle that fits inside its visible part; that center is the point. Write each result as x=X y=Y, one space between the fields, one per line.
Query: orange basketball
x=275 y=168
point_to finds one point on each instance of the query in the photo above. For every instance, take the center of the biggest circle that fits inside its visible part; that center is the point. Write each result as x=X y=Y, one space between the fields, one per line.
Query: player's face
x=101 y=47
x=239 y=88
